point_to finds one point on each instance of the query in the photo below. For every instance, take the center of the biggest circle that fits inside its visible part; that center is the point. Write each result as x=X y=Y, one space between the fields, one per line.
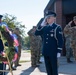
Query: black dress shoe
x=39 y=62
x=19 y=65
x=35 y=65
x=70 y=61
x=13 y=68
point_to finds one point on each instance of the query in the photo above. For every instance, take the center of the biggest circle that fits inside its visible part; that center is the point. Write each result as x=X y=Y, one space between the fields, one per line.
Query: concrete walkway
x=26 y=69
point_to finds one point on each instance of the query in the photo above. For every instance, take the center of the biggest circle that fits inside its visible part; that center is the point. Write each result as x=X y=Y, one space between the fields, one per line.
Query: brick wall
x=58 y=10
x=60 y=19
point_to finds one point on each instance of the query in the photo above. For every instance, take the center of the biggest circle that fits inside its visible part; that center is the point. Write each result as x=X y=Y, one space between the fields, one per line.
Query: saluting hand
x=44 y=22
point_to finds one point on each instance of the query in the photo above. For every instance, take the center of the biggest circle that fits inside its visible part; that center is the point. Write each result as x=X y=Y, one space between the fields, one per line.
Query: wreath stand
x=9 y=64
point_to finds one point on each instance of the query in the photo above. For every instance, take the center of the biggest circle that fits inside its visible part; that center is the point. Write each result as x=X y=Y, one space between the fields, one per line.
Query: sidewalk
x=26 y=69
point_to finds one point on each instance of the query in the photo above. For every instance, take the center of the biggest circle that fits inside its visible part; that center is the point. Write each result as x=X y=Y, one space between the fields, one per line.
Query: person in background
x=35 y=44
x=52 y=42
x=16 y=44
x=17 y=32
x=68 y=42
x=2 y=65
x=73 y=35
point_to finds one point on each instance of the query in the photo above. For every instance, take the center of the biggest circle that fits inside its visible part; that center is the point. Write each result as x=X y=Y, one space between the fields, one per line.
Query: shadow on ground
x=42 y=67
x=28 y=71
x=31 y=69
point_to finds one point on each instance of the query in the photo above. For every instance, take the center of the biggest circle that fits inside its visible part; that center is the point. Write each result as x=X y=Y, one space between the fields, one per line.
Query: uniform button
x=46 y=42
x=47 y=34
x=47 y=38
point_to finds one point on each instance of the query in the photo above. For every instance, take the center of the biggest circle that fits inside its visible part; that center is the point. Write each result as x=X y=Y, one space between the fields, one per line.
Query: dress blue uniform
x=52 y=44
x=2 y=65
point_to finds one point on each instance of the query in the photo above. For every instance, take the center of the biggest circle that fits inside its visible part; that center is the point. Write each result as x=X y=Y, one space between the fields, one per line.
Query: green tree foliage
x=27 y=42
x=13 y=23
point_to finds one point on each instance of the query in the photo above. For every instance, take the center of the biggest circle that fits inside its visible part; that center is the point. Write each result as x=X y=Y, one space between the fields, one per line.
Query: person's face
x=75 y=22
x=50 y=20
x=16 y=31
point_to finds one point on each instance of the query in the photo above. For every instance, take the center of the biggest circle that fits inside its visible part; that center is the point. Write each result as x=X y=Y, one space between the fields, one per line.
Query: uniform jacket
x=52 y=39
x=35 y=41
x=1 y=46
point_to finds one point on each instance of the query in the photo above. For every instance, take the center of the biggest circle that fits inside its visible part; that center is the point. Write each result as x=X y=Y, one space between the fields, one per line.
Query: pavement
x=26 y=69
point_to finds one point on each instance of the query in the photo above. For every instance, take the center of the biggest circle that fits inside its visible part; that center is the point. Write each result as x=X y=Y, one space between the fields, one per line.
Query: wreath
x=10 y=50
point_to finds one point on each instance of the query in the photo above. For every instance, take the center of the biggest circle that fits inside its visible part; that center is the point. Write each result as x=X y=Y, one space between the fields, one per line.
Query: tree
x=13 y=23
x=27 y=42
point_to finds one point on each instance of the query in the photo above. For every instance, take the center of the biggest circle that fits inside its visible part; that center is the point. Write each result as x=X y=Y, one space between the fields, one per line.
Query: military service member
x=2 y=65
x=35 y=44
x=73 y=36
x=52 y=42
x=68 y=42
x=17 y=32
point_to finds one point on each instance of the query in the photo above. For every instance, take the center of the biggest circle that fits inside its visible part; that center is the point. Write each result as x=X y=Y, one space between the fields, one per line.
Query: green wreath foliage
x=10 y=50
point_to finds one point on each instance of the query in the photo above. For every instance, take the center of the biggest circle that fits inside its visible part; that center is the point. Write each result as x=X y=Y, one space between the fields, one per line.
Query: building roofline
x=49 y=5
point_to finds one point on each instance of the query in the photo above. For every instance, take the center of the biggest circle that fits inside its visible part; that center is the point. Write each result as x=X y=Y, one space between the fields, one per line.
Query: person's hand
x=43 y=23
x=58 y=55
x=69 y=22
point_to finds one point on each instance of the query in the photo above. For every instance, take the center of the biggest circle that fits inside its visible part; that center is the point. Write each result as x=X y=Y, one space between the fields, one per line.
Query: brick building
x=65 y=10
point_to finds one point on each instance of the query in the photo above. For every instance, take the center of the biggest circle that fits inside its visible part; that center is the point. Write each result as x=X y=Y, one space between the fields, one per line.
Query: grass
x=22 y=61
x=29 y=51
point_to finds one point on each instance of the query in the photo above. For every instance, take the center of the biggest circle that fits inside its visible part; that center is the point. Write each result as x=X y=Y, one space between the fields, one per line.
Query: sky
x=29 y=12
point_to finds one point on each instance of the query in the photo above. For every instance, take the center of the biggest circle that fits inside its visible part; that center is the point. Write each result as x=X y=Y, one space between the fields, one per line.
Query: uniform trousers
x=51 y=65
